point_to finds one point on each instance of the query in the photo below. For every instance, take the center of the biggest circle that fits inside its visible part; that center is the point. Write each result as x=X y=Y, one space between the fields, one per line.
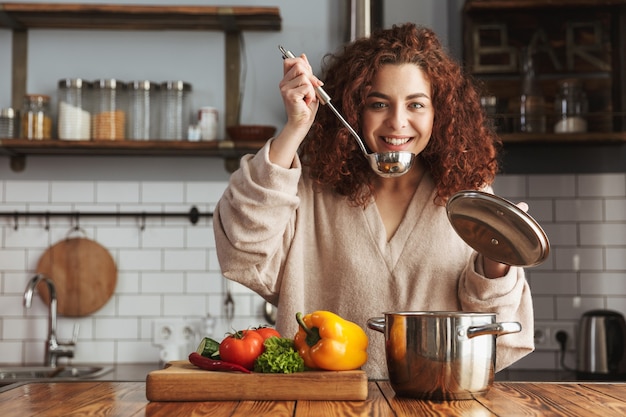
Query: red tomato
x=242 y=348
x=267 y=332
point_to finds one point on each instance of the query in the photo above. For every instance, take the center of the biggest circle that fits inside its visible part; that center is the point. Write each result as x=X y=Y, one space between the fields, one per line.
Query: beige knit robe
x=304 y=251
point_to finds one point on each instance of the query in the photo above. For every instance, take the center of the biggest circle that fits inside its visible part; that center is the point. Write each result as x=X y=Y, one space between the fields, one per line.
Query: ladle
x=385 y=164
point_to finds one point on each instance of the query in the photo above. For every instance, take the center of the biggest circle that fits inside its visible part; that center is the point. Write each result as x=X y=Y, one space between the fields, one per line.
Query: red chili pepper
x=213 y=365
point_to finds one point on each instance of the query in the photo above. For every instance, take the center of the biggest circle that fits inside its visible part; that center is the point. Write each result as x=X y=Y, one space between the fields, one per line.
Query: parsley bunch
x=279 y=357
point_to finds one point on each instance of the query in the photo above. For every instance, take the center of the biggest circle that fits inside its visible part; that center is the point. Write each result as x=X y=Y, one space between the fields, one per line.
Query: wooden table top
x=504 y=399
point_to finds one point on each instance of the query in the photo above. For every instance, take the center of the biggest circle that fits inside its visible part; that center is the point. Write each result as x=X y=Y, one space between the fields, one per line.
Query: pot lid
x=497 y=228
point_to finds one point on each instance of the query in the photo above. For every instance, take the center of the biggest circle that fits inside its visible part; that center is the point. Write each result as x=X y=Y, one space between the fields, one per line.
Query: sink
x=61 y=372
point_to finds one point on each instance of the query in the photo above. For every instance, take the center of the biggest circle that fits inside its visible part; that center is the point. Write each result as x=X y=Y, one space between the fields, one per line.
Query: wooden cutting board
x=84 y=275
x=182 y=381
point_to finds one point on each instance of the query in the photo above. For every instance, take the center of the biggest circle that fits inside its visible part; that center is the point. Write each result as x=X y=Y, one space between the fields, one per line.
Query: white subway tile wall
x=584 y=217
x=169 y=270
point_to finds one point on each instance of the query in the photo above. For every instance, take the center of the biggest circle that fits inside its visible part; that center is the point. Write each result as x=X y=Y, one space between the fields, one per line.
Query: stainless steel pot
x=441 y=355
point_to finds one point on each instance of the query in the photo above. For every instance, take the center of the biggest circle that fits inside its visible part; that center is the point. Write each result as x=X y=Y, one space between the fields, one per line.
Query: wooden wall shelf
x=126 y=147
x=585 y=39
x=564 y=138
x=18 y=149
x=137 y=17
x=476 y=5
x=22 y=17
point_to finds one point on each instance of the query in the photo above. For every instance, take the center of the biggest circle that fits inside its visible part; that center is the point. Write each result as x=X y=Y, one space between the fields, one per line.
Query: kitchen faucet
x=54 y=349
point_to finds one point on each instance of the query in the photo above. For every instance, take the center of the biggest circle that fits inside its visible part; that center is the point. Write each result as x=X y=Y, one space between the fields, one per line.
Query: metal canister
x=108 y=120
x=74 y=110
x=8 y=123
x=175 y=110
x=36 y=121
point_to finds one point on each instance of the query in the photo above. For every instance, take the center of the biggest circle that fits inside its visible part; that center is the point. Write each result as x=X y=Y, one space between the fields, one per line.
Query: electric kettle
x=601 y=346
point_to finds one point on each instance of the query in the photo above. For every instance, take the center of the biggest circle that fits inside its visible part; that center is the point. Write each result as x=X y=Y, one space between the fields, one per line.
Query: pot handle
x=497 y=329
x=377 y=323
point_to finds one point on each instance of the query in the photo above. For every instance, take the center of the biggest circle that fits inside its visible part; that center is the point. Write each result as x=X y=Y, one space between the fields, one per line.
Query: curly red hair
x=462 y=152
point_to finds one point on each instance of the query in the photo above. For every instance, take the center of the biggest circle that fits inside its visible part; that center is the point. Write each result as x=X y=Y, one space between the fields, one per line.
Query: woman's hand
x=494 y=269
x=297 y=89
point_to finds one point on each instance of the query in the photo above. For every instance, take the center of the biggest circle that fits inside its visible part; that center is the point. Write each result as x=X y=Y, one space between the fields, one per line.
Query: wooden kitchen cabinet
x=20 y=17
x=582 y=39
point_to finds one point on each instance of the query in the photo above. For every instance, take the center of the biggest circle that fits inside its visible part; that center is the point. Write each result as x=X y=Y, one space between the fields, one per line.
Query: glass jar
x=8 y=123
x=74 y=116
x=108 y=120
x=142 y=110
x=570 y=107
x=36 y=120
x=532 y=104
x=175 y=110
x=207 y=122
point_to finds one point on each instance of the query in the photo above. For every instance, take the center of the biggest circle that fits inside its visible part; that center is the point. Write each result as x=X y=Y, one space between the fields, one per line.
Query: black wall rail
x=193 y=215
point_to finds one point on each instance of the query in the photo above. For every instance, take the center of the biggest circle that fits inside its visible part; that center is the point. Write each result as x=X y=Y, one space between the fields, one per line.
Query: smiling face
x=398 y=114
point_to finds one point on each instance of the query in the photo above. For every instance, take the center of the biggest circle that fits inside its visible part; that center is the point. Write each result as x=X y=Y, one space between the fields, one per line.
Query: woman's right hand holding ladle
x=297 y=89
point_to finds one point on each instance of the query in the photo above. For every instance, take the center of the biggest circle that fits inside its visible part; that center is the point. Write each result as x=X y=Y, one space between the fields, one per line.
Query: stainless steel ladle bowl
x=391 y=164
x=385 y=164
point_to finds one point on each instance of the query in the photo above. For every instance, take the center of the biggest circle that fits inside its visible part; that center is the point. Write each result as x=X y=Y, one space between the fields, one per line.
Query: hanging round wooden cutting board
x=84 y=274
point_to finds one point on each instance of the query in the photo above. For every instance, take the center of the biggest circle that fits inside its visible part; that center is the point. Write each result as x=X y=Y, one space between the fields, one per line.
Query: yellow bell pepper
x=327 y=341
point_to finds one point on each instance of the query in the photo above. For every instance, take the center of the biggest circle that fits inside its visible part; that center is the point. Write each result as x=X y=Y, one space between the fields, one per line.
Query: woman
x=307 y=224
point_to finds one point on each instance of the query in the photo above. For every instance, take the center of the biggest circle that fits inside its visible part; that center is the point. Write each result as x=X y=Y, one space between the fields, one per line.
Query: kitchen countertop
x=138 y=372
x=129 y=372
x=536 y=375
x=503 y=399
x=135 y=372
